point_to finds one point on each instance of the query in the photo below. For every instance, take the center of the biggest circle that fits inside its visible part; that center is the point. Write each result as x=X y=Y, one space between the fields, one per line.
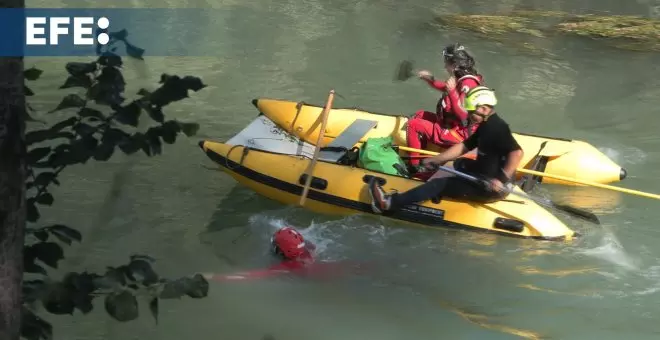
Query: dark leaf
x=48 y=252
x=190 y=129
x=156 y=113
x=43 y=179
x=80 y=69
x=153 y=307
x=109 y=88
x=193 y=83
x=33 y=327
x=32 y=73
x=122 y=306
x=32 y=213
x=173 y=289
x=41 y=235
x=114 y=276
x=32 y=290
x=89 y=113
x=28 y=91
x=129 y=114
x=45 y=199
x=132 y=144
x=88 y=143
x=65 y=232
x=143 y=92
x=63 y=239
x=119 y=35
x=82 y=282
x=83 y=302
x=110 y=59
x=71 y=100
x=111 y=76
x=31 y=267
x=154 y=140
x=134 y=51
x=104 y=151
x=173 y=89
x=198 y=287
x=37 y=154
x=84 y=129
x=83 y=81
x=63 y=124
x=38 y=136
x=169 y=130
x=59 y=299
x=81 y=286
x=115 y=136
x=141 y=270
x=133 y=286
x=77 y=152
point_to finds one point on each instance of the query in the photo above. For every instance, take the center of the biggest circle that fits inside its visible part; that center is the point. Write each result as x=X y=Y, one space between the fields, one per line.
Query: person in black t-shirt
x=497 y=159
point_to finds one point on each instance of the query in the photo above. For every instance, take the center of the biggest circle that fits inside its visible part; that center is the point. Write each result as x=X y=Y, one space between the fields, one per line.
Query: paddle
x=593 y=184
x=586 y=215
x=310 y=169
x=528 y=180
x=404 y=71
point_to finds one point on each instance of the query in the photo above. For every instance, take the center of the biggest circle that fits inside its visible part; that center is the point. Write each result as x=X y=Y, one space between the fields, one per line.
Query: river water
x=418 y=284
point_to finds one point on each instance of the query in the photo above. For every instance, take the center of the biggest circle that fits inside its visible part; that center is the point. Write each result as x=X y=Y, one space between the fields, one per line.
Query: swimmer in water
x=295 y=255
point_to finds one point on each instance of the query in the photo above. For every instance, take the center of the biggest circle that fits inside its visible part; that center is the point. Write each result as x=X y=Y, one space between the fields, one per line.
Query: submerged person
x=498 y=157
x=294 y=255
x=292 y=249
x=449 y=125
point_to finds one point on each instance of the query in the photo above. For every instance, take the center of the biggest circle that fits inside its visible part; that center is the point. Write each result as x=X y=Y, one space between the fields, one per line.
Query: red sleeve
x=457 y=96
x=436 y=84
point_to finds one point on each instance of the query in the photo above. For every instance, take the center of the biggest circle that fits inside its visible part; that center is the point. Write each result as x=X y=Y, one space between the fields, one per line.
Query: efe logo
x=58 y=26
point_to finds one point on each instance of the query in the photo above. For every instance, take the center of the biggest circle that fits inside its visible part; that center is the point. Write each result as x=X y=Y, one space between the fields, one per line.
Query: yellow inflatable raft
x=341 y=189
x=564 y=157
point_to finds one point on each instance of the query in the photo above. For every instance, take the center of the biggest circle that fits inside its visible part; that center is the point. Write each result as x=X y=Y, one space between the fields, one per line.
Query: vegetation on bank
x=522 y=28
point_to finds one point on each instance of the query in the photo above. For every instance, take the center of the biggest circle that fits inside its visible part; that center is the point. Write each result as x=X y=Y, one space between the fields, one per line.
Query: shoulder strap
x=465 y=89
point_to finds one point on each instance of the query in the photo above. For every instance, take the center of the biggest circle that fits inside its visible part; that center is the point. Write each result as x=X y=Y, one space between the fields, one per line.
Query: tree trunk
x=12 y=194
x=12 y=189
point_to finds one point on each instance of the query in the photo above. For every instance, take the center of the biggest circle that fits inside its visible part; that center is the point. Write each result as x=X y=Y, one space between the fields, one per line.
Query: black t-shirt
x=494 y=142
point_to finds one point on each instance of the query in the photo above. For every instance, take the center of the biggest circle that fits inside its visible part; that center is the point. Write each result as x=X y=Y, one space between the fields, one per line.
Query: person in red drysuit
x=449 y=125
x=295 y=254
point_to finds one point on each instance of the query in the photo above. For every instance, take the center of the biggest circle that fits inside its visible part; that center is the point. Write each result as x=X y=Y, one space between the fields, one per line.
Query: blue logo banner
x=90 y=32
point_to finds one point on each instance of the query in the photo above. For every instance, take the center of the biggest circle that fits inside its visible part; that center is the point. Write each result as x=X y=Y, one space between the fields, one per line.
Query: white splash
x=612 y=251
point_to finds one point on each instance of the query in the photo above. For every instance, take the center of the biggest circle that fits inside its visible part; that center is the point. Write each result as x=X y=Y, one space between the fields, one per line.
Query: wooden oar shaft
x=593 y=184
x=310 y=169
x=558 y=177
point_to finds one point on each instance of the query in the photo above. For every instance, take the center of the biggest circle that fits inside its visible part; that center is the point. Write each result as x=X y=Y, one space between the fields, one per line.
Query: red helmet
x=288 y=242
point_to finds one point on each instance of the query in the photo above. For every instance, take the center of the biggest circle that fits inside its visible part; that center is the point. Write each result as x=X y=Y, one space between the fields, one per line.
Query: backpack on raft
x=377 y=154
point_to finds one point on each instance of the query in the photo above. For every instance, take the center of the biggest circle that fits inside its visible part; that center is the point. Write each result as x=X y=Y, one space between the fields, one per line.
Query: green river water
x=426 y=284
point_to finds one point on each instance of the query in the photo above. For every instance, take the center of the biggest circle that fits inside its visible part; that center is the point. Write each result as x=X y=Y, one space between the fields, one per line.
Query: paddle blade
x=404 y=71
x=581 y=213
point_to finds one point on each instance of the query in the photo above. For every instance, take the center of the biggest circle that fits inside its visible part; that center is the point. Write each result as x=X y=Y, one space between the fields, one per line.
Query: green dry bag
x=377 y=154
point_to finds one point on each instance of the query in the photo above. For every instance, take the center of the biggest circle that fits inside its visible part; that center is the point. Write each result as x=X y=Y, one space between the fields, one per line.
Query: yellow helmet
x=480 y=95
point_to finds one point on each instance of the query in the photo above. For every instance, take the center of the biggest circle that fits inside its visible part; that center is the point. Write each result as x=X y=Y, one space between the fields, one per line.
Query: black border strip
x=404 y=214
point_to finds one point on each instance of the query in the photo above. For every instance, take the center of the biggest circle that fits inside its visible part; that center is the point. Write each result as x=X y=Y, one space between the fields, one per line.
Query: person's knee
x=419 y=114
x=416 y=125
x=437 y=184
x=464 y=164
